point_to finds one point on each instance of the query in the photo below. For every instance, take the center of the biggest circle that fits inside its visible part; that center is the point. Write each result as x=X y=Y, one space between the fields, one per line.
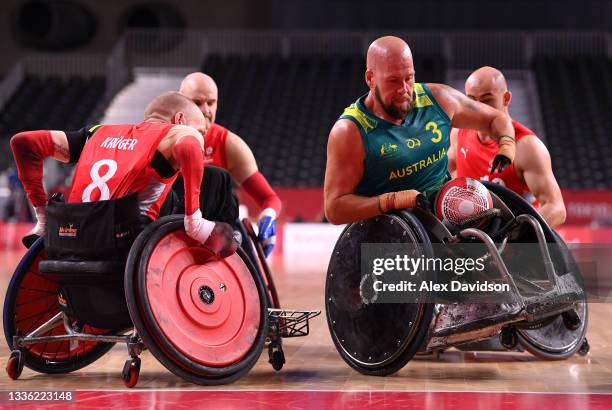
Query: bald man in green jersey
x=392 y=143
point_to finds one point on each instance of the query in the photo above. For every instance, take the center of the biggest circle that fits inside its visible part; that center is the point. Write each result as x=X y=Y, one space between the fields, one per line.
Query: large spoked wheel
x=31 y=300
x=203 y=317
x=374 y=338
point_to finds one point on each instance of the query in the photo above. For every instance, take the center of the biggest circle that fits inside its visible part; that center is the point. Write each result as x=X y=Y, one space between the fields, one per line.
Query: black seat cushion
x=89 y=268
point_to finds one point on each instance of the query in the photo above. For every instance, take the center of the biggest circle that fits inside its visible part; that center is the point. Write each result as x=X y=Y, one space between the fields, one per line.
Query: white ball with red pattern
x=462 y=198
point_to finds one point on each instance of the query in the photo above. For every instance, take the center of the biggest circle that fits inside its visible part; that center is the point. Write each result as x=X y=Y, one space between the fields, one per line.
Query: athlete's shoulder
x=441 y=93
x=345 y=131
x=423 y=95
x=521 y=130
x=179 y=131
x=531 y=153
x=217 y=134
x=440 y=97
x=354 y=114
x=345 y=141
x=216 y=128
x=182 y=128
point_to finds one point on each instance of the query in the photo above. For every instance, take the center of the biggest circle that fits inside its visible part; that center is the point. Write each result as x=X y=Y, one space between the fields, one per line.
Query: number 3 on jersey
x=99 y=181
x=433 y=127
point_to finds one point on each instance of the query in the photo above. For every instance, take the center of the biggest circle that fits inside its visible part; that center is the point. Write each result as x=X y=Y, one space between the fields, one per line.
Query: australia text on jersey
x=417 y=166
x=122 y=143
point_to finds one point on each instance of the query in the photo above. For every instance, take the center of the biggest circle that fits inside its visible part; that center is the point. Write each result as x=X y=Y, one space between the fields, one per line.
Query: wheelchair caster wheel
x=14 y=366
x=131 y=371
x=571 y=320
x=584 y=348
x=277 y=357
x=508 y=338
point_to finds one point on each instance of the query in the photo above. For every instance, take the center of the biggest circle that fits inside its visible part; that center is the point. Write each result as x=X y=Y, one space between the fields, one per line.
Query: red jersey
x=116 y=160
x=474 y=160
x=214 y=145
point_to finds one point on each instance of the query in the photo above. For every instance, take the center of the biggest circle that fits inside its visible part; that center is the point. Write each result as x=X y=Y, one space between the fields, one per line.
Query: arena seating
x=284 y=108
x=48 y=103
x=576 y=101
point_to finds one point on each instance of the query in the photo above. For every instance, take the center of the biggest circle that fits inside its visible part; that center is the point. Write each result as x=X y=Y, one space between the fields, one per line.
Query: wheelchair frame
x=445 y=330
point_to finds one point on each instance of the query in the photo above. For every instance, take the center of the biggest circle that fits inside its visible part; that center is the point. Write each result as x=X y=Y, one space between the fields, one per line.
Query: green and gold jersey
x=407 y=156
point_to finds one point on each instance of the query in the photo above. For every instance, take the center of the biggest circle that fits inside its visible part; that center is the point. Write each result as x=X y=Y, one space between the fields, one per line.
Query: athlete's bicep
x=241 y=162
x=181 y=131
x=173 y=136
x=533 y=160
x=463 y=111
x=61 y=151
x=345 y=156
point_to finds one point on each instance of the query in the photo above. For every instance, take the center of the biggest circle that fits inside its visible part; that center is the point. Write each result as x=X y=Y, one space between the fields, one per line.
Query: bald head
x=175 y=108
x=386 y=50
x=489 y=78
x=488 y=85
x=390 y=77
x=202 y=90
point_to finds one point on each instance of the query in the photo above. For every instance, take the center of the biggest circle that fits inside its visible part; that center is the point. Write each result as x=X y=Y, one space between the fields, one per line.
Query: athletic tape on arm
x=188 y=153
x=30 y=148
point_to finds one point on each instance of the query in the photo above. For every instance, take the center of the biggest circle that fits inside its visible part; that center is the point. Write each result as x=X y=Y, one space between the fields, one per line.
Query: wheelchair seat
x=87 y=246
x=101 y=269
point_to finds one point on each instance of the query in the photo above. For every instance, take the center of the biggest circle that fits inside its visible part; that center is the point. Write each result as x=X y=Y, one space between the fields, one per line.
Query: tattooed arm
x=467 y=113
x=30 y=148
x=61 y=151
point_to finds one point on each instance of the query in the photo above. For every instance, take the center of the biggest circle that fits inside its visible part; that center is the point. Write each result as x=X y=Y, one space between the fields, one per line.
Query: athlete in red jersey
x=114 y=160
x=475 y=156
x=228 y=151
x=117 y=160
x=530 y=175
x=215 y=145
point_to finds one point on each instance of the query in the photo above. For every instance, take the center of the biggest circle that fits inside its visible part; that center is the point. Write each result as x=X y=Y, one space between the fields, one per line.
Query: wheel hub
x=206 y=295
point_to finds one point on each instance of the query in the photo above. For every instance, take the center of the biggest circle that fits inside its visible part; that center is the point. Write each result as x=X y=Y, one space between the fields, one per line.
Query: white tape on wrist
x=41 y=221
x=197 y=227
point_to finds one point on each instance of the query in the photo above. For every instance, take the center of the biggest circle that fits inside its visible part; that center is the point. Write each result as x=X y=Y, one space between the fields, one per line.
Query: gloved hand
x=397 y=200
x=267 y=230
x=423 y=203
x=218 y=237
x=505 y=153
x=39 y=228
x=500 y=162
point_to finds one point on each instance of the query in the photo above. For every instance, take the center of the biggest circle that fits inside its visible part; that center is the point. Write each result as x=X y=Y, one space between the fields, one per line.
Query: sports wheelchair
x=548 y=317
x=205 y=318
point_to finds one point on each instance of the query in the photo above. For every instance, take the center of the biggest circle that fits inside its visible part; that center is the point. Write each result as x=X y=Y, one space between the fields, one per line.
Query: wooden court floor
x=314 y=364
